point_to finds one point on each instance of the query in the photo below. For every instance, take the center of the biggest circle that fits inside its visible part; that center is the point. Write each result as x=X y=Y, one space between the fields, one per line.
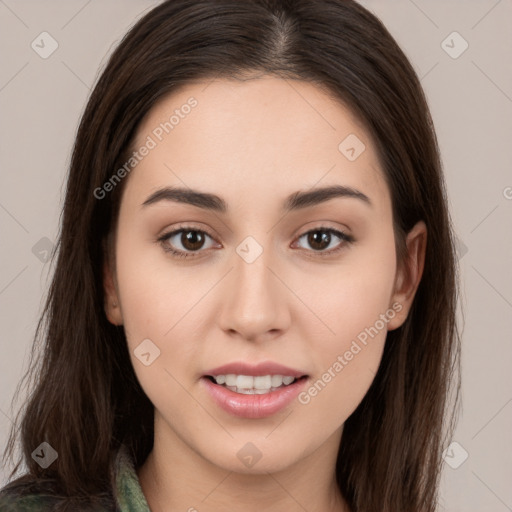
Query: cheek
x=354 y=305
x=155 y=292
x=156 y=301
x=347 y=363
x=351 y=296
x=155 y=306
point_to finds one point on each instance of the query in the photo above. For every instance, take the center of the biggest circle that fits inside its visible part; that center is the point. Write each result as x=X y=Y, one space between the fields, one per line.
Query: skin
x=253 y=143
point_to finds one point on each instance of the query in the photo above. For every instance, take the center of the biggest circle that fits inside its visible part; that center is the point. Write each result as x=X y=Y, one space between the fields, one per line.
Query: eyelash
x=347 y=239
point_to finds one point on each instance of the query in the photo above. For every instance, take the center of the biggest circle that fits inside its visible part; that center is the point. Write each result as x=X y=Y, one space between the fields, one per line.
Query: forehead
x=267 y=135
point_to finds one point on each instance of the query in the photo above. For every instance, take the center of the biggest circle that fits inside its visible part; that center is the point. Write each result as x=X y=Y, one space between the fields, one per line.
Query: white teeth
x=244 y=381
x=247 y=384
x=230 y=379
x=262 y=382
x=277 y=380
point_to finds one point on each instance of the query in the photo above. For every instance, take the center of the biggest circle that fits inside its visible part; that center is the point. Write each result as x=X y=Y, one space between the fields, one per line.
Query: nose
x=255 y=303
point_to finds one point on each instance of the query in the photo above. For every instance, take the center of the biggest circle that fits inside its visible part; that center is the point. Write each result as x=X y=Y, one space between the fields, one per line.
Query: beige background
x=41 y=101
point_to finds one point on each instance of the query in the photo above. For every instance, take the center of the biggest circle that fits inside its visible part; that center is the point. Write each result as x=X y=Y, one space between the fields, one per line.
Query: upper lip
x=263 y=368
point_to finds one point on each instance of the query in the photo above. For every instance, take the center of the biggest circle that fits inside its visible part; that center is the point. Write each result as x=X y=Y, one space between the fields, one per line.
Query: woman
x=253 y=305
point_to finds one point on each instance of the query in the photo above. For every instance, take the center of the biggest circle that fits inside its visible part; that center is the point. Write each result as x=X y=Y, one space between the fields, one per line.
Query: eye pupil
x=315 y=240
x=192 y=240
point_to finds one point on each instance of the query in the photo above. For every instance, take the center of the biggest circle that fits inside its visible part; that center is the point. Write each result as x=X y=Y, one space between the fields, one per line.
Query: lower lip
x=253 y=406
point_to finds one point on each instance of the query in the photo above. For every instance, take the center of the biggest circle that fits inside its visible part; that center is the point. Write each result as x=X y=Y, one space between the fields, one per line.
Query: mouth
x=254 y=385
x=253 y=391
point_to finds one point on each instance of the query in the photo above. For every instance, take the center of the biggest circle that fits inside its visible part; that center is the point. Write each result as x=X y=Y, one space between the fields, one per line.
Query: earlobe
x=111 y=300
x=409 y=274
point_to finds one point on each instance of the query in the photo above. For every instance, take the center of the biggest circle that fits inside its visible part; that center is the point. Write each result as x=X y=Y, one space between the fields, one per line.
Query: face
x=258 y=279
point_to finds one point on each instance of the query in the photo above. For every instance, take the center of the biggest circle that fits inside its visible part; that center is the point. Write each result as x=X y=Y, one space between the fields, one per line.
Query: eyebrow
x=296 y=201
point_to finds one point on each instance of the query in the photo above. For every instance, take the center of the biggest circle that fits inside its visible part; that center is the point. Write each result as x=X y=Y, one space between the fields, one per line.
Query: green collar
x=129 y=495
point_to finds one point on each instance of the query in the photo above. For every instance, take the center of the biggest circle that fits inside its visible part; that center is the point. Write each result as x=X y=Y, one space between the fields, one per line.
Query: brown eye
x=192 y=240
x=320 y=240
x=184 y=242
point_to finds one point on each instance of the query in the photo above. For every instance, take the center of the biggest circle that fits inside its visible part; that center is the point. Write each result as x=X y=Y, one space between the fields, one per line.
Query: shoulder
x=28 y=496
x=29 y=503
x=23 y=495
x=29 y=493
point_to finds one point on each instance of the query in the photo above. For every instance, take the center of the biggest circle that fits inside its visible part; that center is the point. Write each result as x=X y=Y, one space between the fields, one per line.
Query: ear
x=409 y=274
x=111 y=305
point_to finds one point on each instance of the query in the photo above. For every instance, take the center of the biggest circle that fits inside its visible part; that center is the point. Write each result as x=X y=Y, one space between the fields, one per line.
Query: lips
x=255 y=403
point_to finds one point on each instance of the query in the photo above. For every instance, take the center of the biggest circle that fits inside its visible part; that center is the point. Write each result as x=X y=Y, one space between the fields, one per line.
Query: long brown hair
x=86 y=398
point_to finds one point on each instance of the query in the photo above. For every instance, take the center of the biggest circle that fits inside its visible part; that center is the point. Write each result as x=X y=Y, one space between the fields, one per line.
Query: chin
x=253 y=457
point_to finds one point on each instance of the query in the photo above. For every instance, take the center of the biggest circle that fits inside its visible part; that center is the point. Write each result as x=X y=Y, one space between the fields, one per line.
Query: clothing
x=128 y=495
